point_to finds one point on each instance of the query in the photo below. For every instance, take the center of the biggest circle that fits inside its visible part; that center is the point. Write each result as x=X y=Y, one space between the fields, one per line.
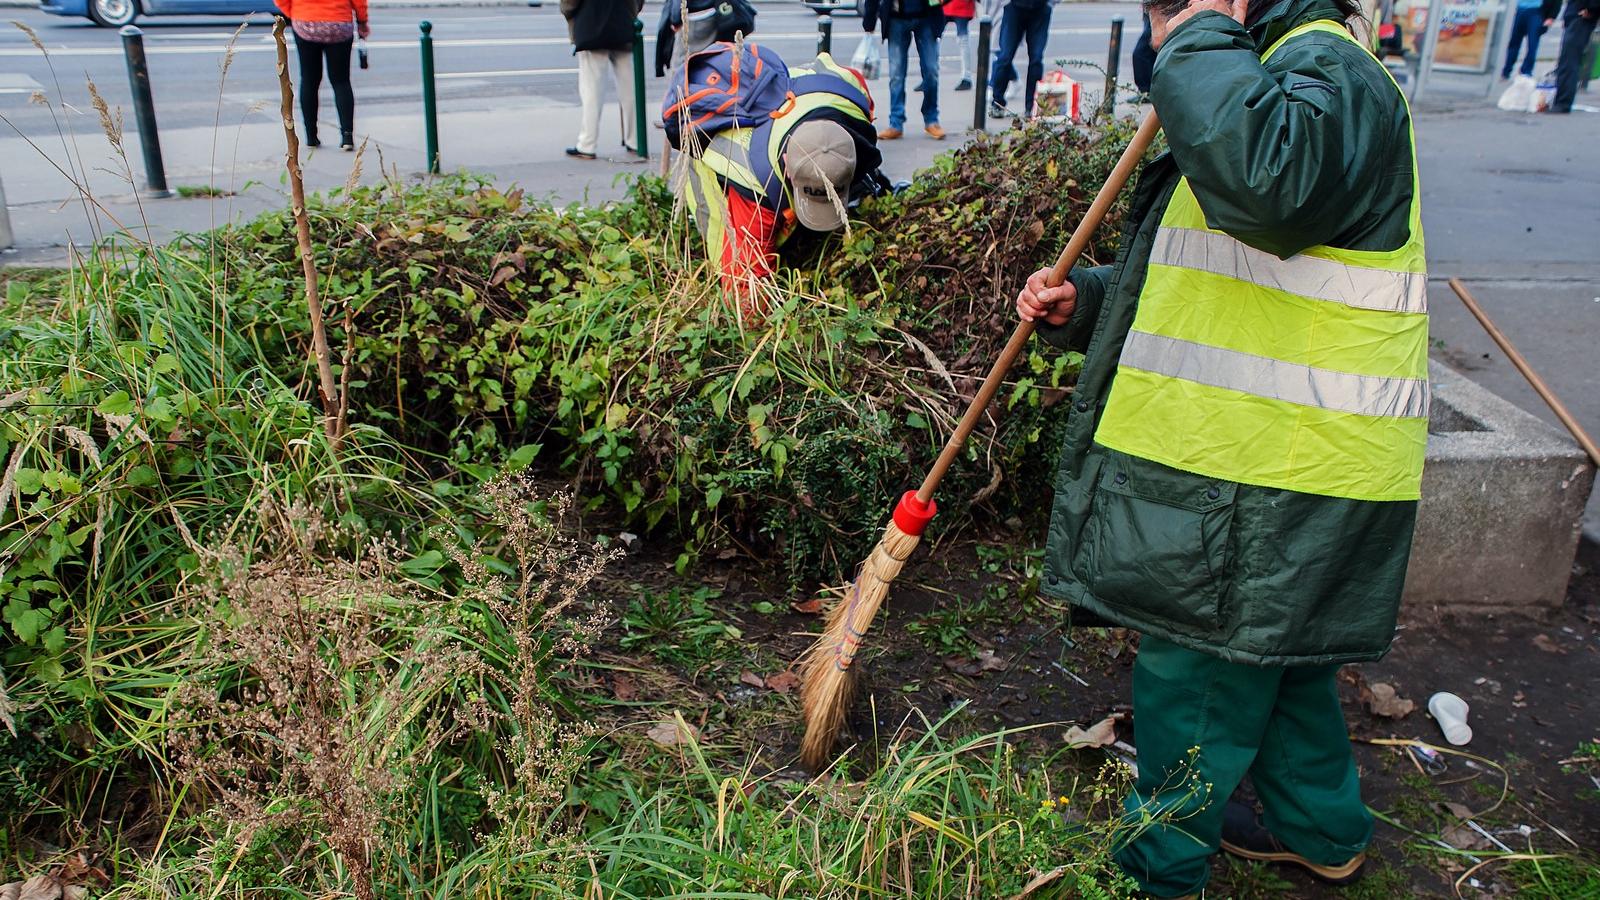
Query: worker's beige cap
x=820 y=155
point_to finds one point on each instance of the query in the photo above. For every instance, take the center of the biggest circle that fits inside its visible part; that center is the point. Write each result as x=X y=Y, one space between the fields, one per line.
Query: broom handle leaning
x=1069 y=257
x=1539 y=387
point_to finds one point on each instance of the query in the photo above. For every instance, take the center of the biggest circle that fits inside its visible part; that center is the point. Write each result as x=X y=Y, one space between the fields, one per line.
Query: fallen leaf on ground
x=1040 y=881
x=985 y=661
x=1463 y=837
x=668 y=734
x=1101 y=734
x=807 y=607
x=1382 y=700
x=752 y=679
x=1543 y=642
x=39 y=887
x=623 y=687
x=783 y=682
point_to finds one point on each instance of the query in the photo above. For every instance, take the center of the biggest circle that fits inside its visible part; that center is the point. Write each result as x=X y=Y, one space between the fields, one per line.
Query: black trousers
x=312 y=54
x=1576 y=31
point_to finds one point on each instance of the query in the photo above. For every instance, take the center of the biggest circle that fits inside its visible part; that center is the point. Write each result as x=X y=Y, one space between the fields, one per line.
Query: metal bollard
x=1113 y=63
x=144 y=112
x=824 y=34
x=6 y=237
x=980 y=97
x=430 y=102
x=641 y=125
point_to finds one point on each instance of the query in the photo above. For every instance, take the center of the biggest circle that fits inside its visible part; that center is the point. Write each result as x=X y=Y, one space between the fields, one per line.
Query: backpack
x=724 y=86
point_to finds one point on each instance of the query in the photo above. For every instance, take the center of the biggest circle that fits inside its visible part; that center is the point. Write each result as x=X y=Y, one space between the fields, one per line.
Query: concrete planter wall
x=1502 y=505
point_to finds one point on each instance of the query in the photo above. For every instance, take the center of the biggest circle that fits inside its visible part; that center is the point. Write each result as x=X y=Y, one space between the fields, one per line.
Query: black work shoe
x=1244 y=836
x=575 y=153
x=964 y=84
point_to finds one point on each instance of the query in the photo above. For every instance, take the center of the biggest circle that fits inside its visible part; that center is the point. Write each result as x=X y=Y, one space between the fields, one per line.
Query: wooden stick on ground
x=1543 y=390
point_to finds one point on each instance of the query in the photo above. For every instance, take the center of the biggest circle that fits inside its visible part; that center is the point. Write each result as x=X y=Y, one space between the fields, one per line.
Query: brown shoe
x=935 y=131
x=891 y=134
x=1244 y=836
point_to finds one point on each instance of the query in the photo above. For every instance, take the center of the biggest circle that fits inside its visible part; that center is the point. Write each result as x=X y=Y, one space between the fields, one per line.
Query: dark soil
x=1531 y=684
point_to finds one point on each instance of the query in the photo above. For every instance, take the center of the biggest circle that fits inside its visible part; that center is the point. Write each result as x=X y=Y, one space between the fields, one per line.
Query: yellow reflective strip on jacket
x=709 y=205
x=728 y=155
x=1250 y=430
x=1307 y=374
x=1223 y=312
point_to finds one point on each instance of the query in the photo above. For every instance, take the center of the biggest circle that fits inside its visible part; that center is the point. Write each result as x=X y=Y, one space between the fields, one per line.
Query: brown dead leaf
x=1039 y=881
x=750 y=678
x=502 y=275
x=1463 y=837
x=623 y=687
x=39 y=887
x=669 y=734
x=1383 y=700
x=807 y=607
x=1543 y=642
x=783 y=682
x=1101 y=734
x=985 y=661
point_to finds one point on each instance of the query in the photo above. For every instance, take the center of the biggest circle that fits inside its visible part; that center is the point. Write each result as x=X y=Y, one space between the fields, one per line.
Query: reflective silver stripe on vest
x=1308 y=276
x=1365 y=395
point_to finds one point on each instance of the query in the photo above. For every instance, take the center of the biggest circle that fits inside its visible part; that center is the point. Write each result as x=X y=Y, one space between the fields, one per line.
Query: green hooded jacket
x=1310 y=148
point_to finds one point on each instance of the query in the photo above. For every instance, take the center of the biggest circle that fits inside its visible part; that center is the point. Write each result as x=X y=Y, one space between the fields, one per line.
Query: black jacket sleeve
x=1550 y=8
x=1284 y=155
x=869 y=16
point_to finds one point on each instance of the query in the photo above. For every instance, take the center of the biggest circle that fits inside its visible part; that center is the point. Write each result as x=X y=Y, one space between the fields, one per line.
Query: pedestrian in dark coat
x=602 y=39
x=1577 y=25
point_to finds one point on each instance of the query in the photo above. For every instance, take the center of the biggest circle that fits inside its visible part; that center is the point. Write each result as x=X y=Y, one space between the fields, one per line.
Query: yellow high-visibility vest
x=1308 y=373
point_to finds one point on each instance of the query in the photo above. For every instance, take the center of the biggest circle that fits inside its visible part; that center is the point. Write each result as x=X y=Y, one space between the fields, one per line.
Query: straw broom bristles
x=829 y=682
x=829 y=679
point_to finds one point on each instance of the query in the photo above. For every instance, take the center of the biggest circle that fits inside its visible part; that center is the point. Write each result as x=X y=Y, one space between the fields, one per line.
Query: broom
x=829 y=684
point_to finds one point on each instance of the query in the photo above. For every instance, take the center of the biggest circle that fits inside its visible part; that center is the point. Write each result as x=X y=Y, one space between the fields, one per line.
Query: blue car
x=117 y=13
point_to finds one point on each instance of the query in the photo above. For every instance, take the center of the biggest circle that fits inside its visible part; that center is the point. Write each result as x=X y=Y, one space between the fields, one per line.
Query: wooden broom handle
x=1549 y=396
x=1069 y=257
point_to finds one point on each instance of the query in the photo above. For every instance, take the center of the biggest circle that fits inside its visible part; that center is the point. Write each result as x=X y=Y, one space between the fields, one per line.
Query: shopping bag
x=1518 y=95
x=1057 y=97
x=868 y=57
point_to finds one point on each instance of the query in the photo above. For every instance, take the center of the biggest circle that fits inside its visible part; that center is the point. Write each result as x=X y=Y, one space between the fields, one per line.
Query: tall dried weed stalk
x=341 y=680
x=551 y=618
x=332 y=670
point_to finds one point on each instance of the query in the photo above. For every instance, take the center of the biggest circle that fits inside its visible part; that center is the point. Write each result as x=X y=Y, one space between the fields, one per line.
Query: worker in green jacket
x=1240 y=475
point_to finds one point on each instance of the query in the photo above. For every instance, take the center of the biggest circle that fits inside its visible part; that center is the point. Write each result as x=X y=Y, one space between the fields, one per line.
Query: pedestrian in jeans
x=602 y=38
x=961 y=12
x=324 y=32
x=1577 y=25
x=1534 y=17
x=903 y=22
x=1021 y=19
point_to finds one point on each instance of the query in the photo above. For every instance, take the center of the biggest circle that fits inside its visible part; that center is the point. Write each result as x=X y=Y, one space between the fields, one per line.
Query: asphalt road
x=486 y=59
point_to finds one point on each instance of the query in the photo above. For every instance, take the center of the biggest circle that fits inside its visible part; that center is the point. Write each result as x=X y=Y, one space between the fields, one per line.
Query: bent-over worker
x=752 y=188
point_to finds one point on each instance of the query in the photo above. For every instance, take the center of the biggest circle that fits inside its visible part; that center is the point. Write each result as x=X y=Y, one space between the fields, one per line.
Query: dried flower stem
x=332 y=421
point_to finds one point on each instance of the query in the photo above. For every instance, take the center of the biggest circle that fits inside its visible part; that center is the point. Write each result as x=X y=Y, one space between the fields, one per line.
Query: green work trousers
x=1200 y=724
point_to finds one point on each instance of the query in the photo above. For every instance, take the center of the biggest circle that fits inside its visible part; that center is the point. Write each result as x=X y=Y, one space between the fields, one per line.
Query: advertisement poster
x=1466 y=33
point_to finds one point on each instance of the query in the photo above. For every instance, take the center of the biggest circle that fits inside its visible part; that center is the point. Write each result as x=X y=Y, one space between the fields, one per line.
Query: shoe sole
x=1345 y=874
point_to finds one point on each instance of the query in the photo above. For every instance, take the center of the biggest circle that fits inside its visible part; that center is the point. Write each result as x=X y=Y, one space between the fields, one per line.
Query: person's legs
x=1518 y=31
x=1197 y=723
x=622 y=69
x=926 y=31
x=344 y=97
x=1001 y=71
x=1574 y=40
x=1038 y=36
x=899 y=49
x=592 y=65
x=310 y=53
x=964 y=47
x=1535 y=31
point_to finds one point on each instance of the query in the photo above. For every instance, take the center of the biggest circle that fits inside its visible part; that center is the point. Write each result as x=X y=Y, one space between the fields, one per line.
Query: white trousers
x=592 y=66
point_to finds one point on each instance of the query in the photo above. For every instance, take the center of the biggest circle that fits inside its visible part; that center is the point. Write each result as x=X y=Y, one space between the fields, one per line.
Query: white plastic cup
x=1450 y=712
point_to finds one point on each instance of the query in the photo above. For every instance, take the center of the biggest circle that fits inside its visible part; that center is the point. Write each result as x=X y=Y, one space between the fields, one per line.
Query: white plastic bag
x=1544 y=94
x=1057 y=98
x=868 y=57
x=1517 y=97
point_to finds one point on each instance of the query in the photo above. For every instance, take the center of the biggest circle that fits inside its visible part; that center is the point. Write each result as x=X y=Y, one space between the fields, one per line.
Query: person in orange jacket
x=325 y=32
